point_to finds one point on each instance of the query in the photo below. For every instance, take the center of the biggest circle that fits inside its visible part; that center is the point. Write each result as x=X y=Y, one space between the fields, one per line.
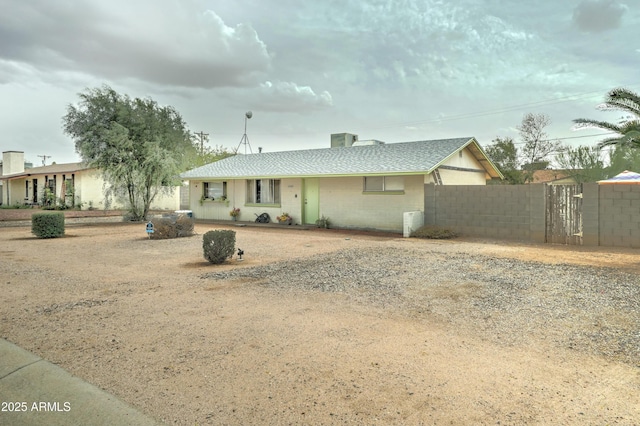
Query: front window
x=383 y=184
x=263 y=191
x=215 y=190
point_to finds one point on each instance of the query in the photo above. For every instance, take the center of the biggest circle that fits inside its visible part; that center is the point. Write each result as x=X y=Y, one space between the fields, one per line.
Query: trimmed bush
x=218 y=245
x=47 y=225
x=434 y=232
x=175 y=226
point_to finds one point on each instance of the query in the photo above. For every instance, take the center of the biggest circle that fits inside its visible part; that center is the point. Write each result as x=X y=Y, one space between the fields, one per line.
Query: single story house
x=73 y=183
x=354 y=184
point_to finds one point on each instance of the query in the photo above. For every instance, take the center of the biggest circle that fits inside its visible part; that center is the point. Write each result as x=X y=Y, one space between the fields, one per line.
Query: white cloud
x=289 y=97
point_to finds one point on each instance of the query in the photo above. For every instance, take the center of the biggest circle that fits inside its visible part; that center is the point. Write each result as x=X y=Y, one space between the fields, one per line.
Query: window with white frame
x=214 y=190
x=383 y=183
x=263 y=191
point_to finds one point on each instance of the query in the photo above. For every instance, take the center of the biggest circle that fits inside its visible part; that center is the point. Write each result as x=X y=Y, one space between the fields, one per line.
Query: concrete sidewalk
x=36 y=392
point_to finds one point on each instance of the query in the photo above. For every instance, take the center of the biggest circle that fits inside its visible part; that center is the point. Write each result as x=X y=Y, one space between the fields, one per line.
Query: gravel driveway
x=509 y=301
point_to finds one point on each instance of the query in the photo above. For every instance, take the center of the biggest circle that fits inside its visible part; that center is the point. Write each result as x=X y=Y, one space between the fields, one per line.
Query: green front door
x=310 y=201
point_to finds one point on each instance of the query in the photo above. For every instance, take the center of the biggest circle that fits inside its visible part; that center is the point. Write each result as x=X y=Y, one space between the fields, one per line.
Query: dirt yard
x=328 y=327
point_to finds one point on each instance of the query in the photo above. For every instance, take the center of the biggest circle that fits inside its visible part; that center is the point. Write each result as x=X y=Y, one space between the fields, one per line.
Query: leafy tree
x=623 y=157
x=504 y=154
x=537 y=145
x=208 y=155
x=628 y=129
x=139 y=146
x=583 y=163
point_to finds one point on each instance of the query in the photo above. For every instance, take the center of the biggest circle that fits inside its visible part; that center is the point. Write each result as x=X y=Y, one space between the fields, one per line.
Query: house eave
x=309 y=176
x=474 y=147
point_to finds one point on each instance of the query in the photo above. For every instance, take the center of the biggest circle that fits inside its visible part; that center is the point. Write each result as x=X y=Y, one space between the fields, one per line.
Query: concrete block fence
x=610 y=213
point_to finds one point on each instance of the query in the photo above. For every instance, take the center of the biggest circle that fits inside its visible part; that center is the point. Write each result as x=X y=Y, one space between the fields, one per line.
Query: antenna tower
x=245 y=138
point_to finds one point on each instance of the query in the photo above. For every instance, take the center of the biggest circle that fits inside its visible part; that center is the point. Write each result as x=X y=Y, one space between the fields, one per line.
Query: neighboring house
x=553 y=177
x=74 y=183
x=364 y=185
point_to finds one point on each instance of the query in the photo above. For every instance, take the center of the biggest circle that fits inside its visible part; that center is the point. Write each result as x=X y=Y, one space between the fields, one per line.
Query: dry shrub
x=434 y=232
x=174 y=226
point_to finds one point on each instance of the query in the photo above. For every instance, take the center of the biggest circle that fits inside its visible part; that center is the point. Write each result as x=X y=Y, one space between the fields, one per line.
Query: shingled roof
x=50 y=169
x=394 y=158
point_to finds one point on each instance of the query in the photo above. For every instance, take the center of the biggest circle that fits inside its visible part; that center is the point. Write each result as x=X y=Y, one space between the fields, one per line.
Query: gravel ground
x=331 y=327
x=509 y=301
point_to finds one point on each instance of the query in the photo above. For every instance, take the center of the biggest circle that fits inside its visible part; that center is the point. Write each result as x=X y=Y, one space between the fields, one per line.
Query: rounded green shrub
x=47 y=225
x=218 y=245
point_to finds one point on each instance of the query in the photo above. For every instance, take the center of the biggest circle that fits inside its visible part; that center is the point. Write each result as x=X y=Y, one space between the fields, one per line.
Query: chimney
x=12 y=162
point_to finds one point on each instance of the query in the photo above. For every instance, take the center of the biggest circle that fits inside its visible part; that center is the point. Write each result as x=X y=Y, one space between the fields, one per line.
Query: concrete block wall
x=610 y=213
x=619 y=215
x=590 y=214
x=500 y=211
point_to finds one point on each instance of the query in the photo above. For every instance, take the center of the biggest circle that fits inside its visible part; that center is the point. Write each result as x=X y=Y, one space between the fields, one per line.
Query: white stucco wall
x=88 y=186
x=14 y=191
x=89 y=192
x=343 y=201
x=290 y=202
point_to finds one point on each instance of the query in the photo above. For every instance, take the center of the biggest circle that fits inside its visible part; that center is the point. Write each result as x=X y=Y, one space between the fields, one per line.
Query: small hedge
x=218 y=245
x=47 y=225
x=434 y=232
x=172 y=227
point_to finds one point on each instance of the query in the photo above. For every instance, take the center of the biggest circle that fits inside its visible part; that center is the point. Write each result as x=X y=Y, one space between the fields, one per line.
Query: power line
x=477 y=114
x=510 y=108
x=570 y=137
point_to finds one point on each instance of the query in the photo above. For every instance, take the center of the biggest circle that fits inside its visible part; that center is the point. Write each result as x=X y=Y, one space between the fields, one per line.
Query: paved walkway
x=36 y=392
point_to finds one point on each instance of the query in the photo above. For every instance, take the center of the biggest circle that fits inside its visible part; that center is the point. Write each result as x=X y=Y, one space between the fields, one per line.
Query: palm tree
x=628 y=129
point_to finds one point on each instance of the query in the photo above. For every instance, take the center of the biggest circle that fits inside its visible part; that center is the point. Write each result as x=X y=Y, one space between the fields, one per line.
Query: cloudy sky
x=393 y=70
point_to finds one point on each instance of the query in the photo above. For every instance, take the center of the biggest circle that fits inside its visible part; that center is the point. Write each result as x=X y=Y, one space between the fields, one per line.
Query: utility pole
x=44 y=159
x=203 y=137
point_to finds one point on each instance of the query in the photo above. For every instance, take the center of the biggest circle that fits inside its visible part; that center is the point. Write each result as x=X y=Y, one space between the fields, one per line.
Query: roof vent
x=368 y=142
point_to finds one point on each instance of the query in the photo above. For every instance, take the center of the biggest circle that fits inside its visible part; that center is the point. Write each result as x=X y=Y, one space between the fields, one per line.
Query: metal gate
x=564 y=214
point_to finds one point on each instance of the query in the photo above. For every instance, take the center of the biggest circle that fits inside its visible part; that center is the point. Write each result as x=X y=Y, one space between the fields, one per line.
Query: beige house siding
x=346 y=205
x=467 y=174
x=290 y=201
x=341 y=199
x=88 y=190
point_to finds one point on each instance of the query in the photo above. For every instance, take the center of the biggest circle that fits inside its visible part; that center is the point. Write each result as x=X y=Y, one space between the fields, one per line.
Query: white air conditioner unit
x=411 y=221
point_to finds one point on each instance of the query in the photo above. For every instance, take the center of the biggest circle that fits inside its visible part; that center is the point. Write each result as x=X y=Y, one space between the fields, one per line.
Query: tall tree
x=504 y=154
x=138 y=146
x=583 y=163
x=206 y=155
x=537 y=145
x=623 y=157
x=628 y=128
